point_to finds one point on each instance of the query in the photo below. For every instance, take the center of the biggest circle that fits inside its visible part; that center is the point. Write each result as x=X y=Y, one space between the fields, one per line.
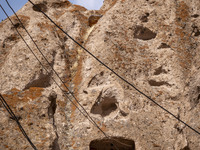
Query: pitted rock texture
x=154 y=44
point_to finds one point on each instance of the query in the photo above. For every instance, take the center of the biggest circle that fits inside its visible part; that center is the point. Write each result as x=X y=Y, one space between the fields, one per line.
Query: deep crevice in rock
x=51 y=111
x=110 y=144
x=52 y=106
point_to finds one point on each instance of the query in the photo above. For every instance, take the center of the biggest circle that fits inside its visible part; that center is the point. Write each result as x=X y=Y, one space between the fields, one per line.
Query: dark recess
x=196 y=30
x=42 y=81
x=55 y=145
x=144 y=18
x=93 y=19
x=40 y=6
x=195 y=16
x=144 y=33
x=163 y=45
x=53 y=105
x=51 y=111
x=17 y=25
x=186 y=148
x=104 y=106
x=159 y=71
x=155 y=83
x=110 y=144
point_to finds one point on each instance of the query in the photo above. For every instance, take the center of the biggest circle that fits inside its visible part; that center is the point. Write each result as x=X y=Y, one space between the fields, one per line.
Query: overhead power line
x=122 y=78
x=9 y=110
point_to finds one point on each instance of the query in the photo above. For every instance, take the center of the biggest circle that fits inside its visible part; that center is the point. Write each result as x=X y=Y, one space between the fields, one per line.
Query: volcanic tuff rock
x=154 y=44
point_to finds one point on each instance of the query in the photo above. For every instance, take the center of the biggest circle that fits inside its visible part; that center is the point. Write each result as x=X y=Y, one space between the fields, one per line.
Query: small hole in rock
x=102 y=73
x=43 y=115
x=123 y=113
x=144 y=33
x=30 y=124
x=105 y=106
x=85 y=92
x=159 y=71
x=17 y=25
x=144 y=18
x=195 y=16
x=163 y=45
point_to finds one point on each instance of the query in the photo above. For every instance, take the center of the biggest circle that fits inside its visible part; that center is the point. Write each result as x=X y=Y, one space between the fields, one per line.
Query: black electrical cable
x=89 y=117
x=7 y=107
x=123 y=79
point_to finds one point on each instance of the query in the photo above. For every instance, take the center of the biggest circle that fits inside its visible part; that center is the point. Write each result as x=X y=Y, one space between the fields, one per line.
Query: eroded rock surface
x=154 y=44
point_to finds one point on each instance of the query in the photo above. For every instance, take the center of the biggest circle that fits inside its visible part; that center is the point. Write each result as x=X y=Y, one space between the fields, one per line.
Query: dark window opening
x=113 y=143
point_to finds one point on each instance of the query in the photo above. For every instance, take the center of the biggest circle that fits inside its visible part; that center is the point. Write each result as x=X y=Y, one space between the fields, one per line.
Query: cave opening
x=112 y=143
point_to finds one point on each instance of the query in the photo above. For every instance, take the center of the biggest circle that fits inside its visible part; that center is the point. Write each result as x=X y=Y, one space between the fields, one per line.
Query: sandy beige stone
x=154 y=44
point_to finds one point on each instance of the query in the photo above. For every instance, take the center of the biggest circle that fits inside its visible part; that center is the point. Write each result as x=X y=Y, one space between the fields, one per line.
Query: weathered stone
x=154 y=44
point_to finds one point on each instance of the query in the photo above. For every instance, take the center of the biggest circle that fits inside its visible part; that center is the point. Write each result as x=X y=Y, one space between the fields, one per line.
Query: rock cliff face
x=154 y=44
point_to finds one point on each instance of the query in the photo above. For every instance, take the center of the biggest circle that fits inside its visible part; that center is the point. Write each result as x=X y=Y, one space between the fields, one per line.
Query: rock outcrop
x=154 y=44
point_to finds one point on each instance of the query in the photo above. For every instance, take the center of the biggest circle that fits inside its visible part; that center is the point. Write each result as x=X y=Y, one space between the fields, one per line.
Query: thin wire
x=7 y=107
x=123 y=79
x=88 y=116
